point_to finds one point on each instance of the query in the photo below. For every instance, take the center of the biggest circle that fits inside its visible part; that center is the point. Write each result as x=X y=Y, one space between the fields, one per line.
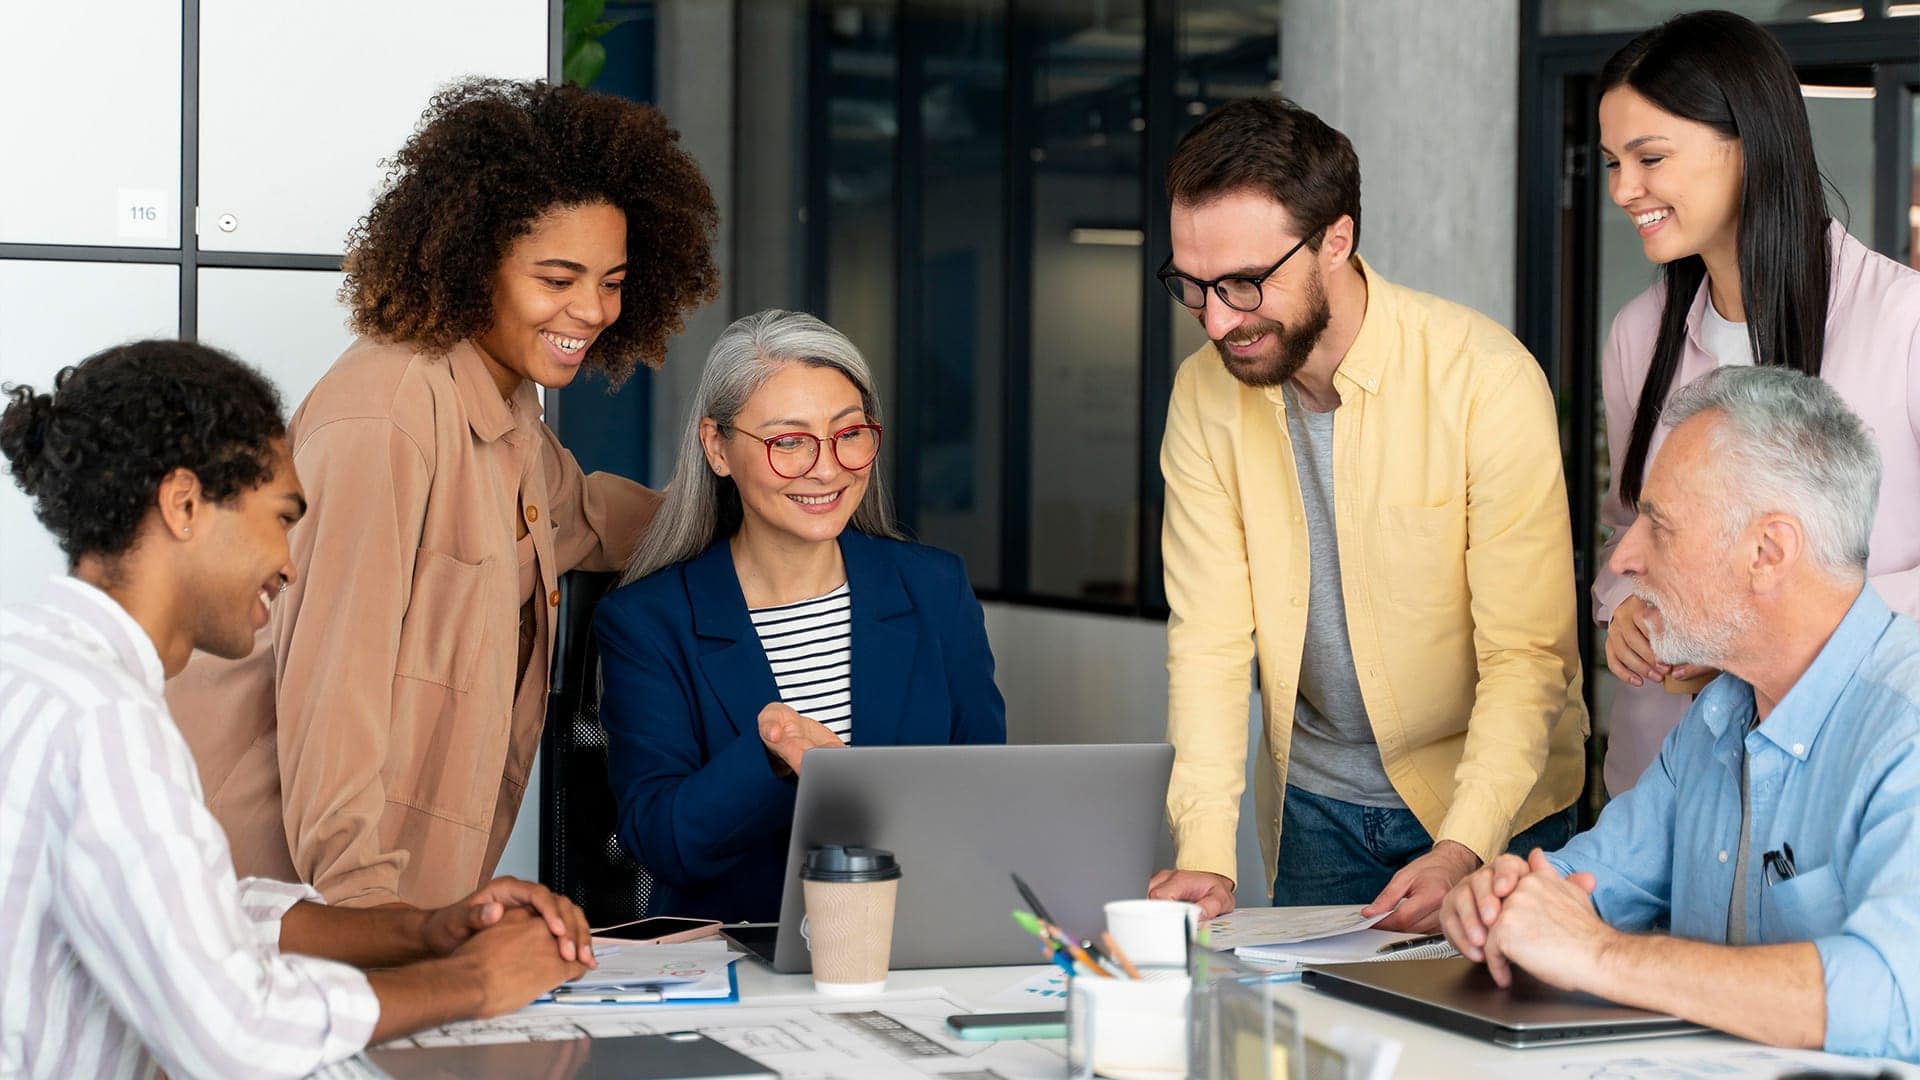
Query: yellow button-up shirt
x=1456 y=562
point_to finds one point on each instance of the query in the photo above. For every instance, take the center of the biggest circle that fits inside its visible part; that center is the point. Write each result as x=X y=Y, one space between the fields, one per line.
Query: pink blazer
x=1872 y=358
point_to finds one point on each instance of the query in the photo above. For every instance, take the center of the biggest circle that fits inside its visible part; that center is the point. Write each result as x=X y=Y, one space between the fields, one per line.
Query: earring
x=186 y=531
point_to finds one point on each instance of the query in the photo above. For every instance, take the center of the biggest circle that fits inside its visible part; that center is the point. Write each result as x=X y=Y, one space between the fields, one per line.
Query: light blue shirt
x=1836 y=775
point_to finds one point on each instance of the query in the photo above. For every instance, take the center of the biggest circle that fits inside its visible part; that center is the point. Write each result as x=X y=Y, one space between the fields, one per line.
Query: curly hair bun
x=23 y=433
x=93 y=453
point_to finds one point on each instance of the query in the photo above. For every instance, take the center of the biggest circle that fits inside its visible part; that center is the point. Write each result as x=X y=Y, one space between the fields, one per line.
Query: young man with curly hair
x=390 y=713
x=128 y=943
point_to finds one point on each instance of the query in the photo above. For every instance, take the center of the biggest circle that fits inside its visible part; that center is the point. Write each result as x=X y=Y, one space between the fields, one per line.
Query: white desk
x=1428 y=1052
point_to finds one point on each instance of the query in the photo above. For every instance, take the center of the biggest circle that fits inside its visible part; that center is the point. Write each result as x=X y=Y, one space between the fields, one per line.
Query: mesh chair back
x=580 y=852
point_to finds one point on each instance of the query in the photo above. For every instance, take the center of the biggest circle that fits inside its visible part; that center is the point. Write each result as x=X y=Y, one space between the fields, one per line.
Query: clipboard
x=669 y=995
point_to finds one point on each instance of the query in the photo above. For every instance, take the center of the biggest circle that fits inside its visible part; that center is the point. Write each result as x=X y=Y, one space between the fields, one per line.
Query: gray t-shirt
x=1334 y=754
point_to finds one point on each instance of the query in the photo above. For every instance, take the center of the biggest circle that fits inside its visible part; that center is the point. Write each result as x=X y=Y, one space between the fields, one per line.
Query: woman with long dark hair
x=1708 y=150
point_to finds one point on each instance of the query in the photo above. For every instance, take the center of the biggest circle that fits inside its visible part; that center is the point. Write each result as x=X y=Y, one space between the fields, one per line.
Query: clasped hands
x=1523 y=912
x=514 y=906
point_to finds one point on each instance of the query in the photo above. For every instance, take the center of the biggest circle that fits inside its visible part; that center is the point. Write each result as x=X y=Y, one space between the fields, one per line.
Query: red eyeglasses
x=793 y=454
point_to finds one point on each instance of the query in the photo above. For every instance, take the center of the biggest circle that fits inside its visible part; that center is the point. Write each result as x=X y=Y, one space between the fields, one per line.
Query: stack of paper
x=1295 y=936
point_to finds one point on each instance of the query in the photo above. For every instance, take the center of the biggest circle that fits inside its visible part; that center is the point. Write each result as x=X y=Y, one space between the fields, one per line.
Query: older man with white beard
x=1778 y=833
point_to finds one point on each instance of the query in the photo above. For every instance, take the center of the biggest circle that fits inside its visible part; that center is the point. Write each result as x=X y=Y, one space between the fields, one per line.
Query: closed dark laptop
x=679 y=1055
x=1459 y=995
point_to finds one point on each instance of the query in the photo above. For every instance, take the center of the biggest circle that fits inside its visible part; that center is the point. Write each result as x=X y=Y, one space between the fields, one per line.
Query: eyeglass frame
x=879 y=435
x=1167 y=273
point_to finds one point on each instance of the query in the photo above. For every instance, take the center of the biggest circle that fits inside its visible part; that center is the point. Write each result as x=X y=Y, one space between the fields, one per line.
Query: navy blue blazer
x=684 y=680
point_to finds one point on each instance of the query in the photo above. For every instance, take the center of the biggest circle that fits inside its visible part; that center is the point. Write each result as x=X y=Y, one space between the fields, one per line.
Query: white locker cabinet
x=299 y=104
x=53 y=314
x=287 y=323
x=91 y=123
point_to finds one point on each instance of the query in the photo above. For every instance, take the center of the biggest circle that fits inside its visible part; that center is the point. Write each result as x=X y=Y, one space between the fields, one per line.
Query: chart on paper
x=891 y=1035
x=1286 y=925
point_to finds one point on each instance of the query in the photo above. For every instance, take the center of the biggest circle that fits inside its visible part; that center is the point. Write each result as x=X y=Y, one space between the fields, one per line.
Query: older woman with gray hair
x=755 y=625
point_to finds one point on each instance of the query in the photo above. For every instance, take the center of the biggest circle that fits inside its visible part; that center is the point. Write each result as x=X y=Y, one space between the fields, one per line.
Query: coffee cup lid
x=839 y=862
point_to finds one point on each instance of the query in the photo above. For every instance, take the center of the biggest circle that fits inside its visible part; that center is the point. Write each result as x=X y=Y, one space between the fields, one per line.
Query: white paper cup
x=1153 y=933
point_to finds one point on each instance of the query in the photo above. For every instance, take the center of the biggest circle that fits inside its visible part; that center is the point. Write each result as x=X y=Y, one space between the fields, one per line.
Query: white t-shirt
x=1725 y=341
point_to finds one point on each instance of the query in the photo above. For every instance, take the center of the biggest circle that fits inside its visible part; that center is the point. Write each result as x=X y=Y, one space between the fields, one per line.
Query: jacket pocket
x=445 y=624
x=1424 y=552
x=1804 y=907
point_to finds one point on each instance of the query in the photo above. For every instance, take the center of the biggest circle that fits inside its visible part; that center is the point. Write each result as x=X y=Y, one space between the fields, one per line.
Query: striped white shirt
x=126 y=944
x=809 y=644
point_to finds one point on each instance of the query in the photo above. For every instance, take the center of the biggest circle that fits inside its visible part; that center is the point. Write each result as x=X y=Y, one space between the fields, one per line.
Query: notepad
x=1355 y=947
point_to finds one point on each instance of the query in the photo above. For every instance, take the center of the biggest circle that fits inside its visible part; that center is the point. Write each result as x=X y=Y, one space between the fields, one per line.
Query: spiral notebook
x=1356 y=947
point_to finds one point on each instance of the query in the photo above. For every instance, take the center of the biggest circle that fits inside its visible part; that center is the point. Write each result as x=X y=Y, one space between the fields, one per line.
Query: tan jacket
x=1456 y=560
x=374 y=744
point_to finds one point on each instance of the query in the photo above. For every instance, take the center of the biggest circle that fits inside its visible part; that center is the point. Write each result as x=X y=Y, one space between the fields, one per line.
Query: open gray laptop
x=1459 y=995
x=1081 y=824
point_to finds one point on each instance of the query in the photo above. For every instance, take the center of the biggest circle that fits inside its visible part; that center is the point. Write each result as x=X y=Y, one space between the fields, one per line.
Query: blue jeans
x=1334 y=852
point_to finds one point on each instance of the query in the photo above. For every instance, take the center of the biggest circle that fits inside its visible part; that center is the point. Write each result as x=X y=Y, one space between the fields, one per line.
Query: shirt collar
x=1838 y=239
x=488 y=414
x=1800 y=716
x=1366 y=361
x=101 y=618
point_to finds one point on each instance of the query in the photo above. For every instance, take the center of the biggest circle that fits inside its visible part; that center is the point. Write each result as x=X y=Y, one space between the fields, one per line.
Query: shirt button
x=1297 y=602
x=553 y=600
x=533 y=514
x=1799 y=749
x=1723 y=856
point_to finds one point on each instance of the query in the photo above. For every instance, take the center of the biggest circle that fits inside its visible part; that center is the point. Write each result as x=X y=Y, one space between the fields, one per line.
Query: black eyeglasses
x=1239 y=292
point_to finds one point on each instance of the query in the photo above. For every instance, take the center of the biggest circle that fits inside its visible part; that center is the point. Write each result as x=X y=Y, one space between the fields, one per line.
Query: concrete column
x=695 y=89
x=1429 y=95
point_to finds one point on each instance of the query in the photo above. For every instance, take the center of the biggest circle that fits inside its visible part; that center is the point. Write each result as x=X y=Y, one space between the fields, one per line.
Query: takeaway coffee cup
x=849 y=929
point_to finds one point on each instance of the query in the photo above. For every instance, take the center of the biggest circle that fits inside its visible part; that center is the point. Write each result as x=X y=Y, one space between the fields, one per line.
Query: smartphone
x=608 y=995
x=1027 y=1025
x=660 y=930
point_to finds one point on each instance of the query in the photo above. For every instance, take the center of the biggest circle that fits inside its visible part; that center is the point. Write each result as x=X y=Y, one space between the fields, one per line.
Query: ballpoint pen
x=1410 y=943
x=1060 y=947
x=1091 y=954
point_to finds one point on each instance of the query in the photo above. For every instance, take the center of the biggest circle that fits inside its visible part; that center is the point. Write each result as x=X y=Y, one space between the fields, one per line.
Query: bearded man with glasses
x=1363 y=488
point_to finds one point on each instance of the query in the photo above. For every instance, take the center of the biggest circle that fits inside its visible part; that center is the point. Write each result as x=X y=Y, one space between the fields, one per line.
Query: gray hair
x=1788 y=444
x=702 y=506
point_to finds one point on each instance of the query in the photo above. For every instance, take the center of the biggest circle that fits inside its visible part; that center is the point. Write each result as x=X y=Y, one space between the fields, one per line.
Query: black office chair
x=580 y=854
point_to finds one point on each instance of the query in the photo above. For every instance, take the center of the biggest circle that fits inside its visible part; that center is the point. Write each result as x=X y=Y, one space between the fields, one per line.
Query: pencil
x=1113 y=950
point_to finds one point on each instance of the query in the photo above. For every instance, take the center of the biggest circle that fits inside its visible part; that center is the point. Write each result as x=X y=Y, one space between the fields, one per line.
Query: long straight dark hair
x=1718 y=69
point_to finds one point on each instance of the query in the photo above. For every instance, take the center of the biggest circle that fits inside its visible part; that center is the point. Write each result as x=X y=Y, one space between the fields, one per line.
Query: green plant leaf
x=580 y=14
x=583 y=63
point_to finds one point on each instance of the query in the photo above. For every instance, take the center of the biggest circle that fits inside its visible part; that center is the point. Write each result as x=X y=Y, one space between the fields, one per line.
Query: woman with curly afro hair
x=377 y=743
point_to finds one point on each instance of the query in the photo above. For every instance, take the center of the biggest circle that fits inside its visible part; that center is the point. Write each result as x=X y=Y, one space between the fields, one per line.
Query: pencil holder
x=1239 y=1031
x=1129 y=1029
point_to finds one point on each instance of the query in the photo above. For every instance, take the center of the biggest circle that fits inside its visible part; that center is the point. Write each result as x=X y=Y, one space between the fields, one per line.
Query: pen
x=1080 y=956
x=1032 y=900
x=1410 y=943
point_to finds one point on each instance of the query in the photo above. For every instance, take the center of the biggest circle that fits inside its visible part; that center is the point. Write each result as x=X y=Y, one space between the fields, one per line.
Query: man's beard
x=1688 y=636
x=1290 y=348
